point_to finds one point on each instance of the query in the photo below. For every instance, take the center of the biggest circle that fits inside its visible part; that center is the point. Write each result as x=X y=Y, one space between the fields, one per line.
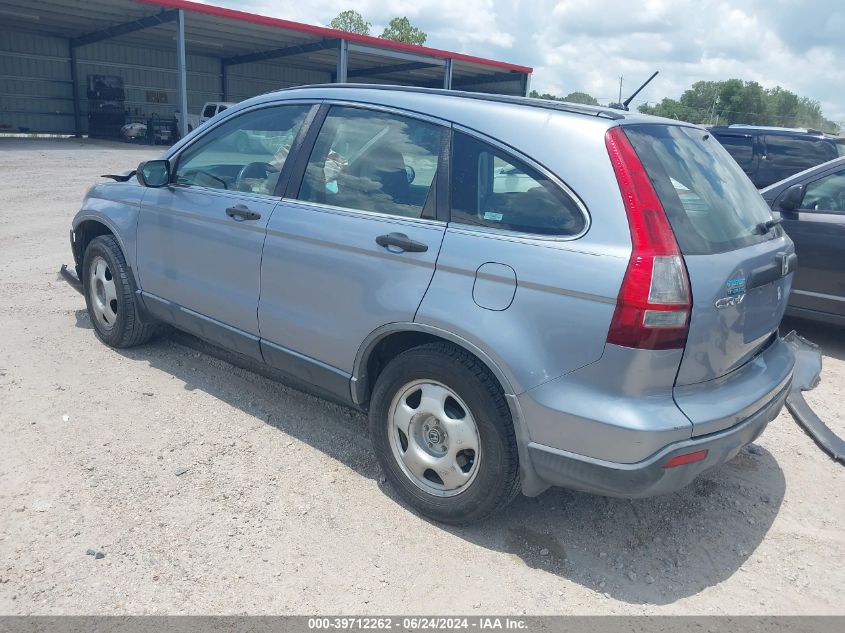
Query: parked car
x=812 y=208
x=210 y=109
x=510 y=315
x=770 y=154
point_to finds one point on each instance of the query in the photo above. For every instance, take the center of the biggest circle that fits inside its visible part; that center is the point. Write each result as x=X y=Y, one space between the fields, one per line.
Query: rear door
x=784 y=156
x=354 y=247
x=818 y=230
x=739 y=273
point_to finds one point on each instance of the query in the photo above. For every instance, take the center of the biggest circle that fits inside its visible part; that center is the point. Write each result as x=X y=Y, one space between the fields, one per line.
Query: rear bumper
x=649 y=477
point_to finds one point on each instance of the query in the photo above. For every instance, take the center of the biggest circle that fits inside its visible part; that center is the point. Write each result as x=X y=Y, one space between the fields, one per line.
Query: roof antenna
x=624 y=105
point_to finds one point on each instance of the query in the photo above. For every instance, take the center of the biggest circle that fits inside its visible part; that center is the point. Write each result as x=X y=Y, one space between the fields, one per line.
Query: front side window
x=494 y=189
x=826 y=194
x=246 y=153
x=373 y=161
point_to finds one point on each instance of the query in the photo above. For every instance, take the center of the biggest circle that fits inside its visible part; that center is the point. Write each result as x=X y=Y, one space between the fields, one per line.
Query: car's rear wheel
x=112 y=305
x=443 y=434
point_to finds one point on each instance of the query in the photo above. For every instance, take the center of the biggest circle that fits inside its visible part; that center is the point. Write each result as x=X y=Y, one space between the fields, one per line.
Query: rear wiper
x=768 y=225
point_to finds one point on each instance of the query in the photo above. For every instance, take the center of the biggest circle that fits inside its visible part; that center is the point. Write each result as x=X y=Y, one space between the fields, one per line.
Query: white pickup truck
x=208 y=110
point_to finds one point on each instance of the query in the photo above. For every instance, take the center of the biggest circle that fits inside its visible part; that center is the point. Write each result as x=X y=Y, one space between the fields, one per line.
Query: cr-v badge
x=736 y=293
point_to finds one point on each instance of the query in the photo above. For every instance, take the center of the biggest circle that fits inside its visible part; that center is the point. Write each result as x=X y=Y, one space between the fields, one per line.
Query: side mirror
x=154 y=173
x=792 y=198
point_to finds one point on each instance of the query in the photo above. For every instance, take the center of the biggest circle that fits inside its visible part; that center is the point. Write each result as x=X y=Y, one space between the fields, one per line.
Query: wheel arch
x=84 y=232
x=390 y=340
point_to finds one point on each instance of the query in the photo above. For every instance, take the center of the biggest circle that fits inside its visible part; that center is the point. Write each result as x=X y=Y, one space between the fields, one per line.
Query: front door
x=200 y=239
x=818 y=230
x=354 y=247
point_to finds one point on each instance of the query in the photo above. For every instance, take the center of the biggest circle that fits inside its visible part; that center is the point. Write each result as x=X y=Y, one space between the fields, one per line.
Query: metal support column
x=527 y=82
x=224 y=80
x=181 y=74
x=342 y=61
x=447 y=74
x=74 y=86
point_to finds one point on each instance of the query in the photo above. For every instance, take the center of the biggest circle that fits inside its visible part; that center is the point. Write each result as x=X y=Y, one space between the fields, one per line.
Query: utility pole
x=713 y=109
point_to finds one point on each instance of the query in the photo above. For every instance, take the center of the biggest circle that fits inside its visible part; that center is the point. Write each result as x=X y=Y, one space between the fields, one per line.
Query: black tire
x=126 y=329
x=497 y=481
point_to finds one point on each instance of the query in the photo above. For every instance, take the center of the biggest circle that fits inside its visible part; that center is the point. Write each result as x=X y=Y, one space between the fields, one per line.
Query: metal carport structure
x=174 y=55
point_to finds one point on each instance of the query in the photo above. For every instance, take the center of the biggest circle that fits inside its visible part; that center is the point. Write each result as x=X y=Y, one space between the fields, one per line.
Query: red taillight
x=686 y=458
x=653 y=307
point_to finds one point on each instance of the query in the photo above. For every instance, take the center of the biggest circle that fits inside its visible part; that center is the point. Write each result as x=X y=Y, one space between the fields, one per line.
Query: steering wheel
x=258 y=169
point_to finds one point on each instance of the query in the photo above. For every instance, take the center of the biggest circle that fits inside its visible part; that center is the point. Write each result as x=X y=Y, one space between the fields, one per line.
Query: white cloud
x=587 y=44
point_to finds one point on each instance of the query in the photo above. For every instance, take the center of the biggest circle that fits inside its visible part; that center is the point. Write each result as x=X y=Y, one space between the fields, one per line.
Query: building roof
x=326 y=32
x=239 y=37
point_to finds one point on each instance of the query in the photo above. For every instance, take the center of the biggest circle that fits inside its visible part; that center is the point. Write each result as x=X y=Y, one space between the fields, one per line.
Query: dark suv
x=770 y=154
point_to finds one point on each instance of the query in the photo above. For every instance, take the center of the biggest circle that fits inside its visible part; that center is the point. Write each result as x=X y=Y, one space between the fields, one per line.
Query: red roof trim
x=321 y=31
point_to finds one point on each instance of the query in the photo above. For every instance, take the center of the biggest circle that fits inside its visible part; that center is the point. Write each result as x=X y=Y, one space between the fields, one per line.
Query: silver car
x=520 y=293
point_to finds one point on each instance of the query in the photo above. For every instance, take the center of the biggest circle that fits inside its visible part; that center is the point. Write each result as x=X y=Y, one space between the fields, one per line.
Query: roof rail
x=562 y=106
x=775 y=128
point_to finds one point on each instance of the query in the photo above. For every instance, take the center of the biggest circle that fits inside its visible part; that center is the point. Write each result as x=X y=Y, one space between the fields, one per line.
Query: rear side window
x=209 y=111
x=740 y=147
x=494 y=189
x=373 y=161
x=795 y=153
x=709 y=201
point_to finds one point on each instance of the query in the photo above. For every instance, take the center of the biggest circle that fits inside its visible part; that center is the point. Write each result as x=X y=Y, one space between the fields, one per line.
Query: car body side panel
x=561 y=310
x=115 y=205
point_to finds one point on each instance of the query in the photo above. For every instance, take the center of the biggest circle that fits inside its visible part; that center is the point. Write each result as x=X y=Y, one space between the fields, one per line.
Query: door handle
x=241 y=212
x=402 y=242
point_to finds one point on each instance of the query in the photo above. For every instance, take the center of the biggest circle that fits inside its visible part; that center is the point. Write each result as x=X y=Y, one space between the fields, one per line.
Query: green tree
x=401 y=30
x=581 y=97
x=738 y=101
x=351 y=21
x=572 y=97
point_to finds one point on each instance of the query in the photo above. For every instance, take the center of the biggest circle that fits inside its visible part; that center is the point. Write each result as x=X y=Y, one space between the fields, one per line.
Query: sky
x=586 y=45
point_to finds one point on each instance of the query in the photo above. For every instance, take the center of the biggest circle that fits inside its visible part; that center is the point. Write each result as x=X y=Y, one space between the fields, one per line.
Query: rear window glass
x=492 y=188
x=740 y=147
x=710 y=203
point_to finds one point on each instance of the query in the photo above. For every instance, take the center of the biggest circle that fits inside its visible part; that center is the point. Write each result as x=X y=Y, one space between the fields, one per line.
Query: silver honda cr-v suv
x=521 y=293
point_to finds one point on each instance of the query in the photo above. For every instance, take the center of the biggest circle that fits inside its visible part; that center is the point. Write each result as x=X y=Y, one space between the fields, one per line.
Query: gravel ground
x=165 y=480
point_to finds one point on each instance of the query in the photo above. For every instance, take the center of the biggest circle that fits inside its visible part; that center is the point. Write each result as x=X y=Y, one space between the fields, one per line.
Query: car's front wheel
x=112 y=305
x=443 y=434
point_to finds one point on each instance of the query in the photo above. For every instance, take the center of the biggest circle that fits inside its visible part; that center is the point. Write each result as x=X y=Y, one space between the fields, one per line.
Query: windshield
x=711 y=204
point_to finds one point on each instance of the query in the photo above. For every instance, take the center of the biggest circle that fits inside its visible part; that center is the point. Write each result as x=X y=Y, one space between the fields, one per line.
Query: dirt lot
x=282 y=508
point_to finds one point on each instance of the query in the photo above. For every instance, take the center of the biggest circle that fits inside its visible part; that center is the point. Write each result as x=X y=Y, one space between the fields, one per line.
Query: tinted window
x=246 y=153
x=740 y=147
x=710 y=203
x=373 y=161
x=826 y=194
x=492 y=188
x=221 y=108
x=209 y=111
x=795 y=153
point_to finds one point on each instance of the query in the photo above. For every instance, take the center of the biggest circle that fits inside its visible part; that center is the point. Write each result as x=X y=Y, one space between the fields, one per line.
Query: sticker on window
x=489 y=215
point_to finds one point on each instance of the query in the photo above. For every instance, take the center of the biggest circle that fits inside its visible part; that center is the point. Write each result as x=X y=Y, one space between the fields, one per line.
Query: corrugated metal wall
x=35 y=80
x=36 y=89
